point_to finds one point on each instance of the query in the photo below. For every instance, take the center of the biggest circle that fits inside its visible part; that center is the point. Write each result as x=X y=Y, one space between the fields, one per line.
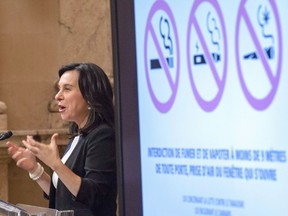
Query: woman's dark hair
x=96 y=91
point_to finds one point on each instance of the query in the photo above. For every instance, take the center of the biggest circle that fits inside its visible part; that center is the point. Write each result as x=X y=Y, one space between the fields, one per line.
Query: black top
x=94 y=160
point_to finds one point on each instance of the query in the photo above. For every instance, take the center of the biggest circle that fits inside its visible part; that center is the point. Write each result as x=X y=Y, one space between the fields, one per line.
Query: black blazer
x=94 y=160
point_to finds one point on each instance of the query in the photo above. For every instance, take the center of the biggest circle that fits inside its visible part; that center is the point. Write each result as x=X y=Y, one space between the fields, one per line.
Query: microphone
x=5 y=135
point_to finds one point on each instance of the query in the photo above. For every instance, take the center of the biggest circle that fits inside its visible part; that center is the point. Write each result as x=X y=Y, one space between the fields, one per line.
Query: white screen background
x=233 y=125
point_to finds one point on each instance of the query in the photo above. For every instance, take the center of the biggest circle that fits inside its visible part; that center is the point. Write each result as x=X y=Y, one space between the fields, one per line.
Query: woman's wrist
x=57 y=165
x=37 y=173
x=34 y=168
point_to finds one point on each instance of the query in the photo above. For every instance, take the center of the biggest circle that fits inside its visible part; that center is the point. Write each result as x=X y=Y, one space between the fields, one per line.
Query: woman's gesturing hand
x=24 y=157
x=47 y=153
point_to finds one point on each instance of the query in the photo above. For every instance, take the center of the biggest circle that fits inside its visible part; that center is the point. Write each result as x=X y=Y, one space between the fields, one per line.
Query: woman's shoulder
x=103 y=129
x=102 y=136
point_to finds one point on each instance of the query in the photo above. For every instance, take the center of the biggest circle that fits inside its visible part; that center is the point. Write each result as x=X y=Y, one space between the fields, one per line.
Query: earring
x=89 y=108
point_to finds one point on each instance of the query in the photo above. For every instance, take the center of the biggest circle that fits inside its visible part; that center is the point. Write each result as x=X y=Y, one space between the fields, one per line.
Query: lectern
x=8 y=209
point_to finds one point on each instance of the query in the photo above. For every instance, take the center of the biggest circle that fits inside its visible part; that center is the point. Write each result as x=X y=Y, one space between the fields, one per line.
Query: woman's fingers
x=54 y=137
x=31 y=144
x=17 y=155
x=13 y=148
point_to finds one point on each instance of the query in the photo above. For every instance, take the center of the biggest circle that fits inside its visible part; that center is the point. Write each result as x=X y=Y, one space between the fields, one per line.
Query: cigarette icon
x=155 y=63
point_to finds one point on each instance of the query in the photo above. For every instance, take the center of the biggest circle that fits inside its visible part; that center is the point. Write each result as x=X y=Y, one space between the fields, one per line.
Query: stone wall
x=29 y=59
x=36 y=38
x=85 y=32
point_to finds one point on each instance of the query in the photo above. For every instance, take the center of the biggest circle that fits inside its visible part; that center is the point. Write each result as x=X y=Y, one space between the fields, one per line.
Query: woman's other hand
x=24 y=157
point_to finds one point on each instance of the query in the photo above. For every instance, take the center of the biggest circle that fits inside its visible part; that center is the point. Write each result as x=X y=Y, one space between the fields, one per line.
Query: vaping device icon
x=200 y=58
x=215 y=36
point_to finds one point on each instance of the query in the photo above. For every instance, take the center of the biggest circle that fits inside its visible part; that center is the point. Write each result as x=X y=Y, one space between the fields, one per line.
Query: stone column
x=3 y=116
x=4 y=161
x=4 y=158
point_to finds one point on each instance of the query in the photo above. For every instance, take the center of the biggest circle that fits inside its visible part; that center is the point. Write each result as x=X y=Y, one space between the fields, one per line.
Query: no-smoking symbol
x=258 y=56
x=207 y=53
x=161 y=56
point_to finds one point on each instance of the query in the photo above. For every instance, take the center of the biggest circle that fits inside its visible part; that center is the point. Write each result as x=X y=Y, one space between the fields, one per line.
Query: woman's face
x=72 y=105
